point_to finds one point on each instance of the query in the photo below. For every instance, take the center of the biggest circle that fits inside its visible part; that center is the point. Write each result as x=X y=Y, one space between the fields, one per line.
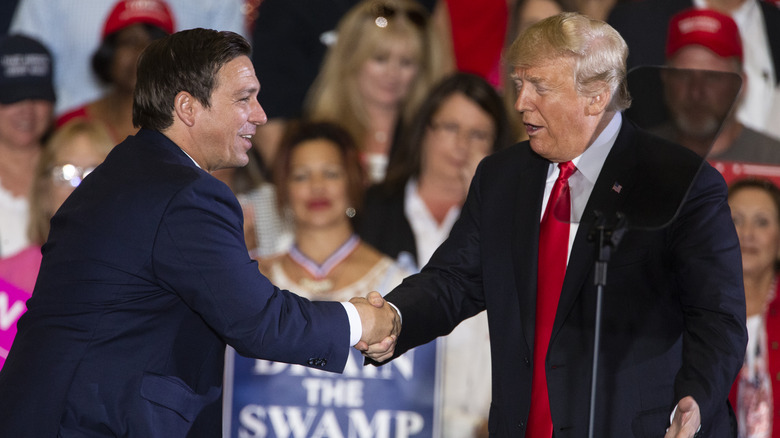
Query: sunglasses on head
x=383 y=13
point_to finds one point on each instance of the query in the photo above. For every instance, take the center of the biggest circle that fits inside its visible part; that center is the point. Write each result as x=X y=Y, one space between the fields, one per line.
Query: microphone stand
x=608 y=240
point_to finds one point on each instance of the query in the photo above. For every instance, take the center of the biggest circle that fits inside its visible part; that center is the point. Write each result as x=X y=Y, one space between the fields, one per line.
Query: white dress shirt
x=589 y=165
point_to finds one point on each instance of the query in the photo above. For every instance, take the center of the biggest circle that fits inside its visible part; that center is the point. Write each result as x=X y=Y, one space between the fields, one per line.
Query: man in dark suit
x=673 y=309
x=145 y=275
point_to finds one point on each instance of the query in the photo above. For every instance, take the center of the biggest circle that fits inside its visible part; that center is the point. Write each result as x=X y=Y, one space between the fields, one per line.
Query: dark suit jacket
x=144 y=278
x=673 y=308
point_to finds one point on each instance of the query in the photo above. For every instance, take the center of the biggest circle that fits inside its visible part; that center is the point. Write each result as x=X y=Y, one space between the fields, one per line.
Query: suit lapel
x=525 y=230
x=606 y=198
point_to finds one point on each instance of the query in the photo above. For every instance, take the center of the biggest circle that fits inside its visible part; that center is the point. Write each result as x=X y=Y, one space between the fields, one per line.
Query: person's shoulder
x=74 y=114
x=154 y=160
x=770 y=11
x=510 y=156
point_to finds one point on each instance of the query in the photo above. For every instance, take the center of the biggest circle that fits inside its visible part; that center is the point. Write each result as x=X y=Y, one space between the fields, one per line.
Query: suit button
x=527 y=361
x=521 y=425
x=317 y=362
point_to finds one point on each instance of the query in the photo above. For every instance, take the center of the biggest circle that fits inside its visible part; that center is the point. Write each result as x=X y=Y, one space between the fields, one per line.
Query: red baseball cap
x=704 y=27
x=128 y=12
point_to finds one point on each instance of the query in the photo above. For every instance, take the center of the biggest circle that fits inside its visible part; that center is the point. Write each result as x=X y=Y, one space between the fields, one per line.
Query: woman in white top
x=755 y=208
x=461 y=121
x=319 y=184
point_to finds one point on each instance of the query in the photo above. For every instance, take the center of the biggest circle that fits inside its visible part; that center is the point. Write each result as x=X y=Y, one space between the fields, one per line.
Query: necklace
x=321 y=283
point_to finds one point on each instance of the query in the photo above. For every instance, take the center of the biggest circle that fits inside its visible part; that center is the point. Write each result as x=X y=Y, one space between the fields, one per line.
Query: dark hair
x=103 y=58
x=184 y=61
x=758 y=183
x=300 y=131
x=405 y=160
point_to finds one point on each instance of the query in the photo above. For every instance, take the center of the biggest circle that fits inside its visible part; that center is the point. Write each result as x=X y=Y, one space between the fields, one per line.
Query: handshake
x=381 y=326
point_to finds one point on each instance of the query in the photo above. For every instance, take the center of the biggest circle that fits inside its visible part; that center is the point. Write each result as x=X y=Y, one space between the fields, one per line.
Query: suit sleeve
x=449 y=288
x=707 y=261
x=200 y=255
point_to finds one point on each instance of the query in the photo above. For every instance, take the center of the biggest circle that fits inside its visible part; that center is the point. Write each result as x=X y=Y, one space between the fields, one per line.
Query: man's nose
x=257 y=116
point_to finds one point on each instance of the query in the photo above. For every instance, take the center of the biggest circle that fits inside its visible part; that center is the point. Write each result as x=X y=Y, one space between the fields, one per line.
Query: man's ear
x=598 y=103
x=186 y=107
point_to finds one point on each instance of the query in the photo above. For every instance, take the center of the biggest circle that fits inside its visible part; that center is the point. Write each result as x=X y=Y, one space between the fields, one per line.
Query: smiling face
x=23 y=124
x=460 y=134
x=222 y=132
x=317 y=185
x=757 y=221
x=559 y=121
x=386 y=77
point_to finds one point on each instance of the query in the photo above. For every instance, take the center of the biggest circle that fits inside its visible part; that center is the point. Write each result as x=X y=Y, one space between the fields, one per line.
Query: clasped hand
x=381 y=326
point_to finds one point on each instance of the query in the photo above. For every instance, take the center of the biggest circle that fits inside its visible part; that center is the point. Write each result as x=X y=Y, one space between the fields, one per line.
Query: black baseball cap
x=25 y=70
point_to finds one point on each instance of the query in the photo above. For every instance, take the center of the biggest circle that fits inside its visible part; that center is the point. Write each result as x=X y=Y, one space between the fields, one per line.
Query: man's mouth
x=531 y=129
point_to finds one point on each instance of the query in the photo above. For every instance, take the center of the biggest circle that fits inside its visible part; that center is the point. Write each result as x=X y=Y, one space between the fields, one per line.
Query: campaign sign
x=12 y=306
x=272 y=399
x=733 y=171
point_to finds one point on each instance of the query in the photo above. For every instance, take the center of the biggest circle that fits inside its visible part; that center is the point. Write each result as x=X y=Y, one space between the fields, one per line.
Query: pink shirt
x=21 y=269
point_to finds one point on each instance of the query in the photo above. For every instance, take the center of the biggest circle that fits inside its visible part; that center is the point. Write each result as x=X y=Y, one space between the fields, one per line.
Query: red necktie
x=553 y=249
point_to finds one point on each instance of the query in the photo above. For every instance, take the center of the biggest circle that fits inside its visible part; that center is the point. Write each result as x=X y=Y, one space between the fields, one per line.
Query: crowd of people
x=369 y=166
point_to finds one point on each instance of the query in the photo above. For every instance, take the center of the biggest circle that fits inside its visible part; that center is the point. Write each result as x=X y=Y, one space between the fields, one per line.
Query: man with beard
x=704 y=50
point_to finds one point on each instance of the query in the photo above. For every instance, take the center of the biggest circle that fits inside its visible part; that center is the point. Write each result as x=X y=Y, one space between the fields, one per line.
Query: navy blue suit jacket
x=673 y=308
x=145 y=278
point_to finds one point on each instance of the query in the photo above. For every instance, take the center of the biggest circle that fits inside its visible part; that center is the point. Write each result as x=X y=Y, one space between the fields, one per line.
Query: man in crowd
x=145 y=276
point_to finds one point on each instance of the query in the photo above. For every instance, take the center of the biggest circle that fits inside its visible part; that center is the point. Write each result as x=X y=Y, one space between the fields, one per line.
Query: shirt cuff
x=400 y=317
x=355 y=326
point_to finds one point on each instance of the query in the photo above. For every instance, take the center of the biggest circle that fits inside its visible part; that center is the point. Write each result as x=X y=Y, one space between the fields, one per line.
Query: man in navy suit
x=145 y=276
x=673 y=310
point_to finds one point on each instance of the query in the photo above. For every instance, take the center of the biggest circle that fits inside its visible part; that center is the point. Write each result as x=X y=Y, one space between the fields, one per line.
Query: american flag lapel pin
x=617 y=187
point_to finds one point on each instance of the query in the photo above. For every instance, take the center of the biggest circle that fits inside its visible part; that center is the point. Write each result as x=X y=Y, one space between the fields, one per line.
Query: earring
x=350 y=212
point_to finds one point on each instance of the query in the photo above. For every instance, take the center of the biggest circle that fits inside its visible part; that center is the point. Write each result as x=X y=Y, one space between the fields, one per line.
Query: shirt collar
x=193 y=160
x=589 y=163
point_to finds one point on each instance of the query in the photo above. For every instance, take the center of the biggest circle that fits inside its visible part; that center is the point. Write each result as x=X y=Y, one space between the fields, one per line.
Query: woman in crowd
x=130 y=27
x=755 y=207
x=408 y=216
x=68 y=156
x=384 y=60
x=319 y=184
x=26 y=105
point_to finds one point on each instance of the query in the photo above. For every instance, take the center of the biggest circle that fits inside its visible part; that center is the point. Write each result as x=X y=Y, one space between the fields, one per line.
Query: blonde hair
x=334 y=95
x=598 y=51
x=40 y=214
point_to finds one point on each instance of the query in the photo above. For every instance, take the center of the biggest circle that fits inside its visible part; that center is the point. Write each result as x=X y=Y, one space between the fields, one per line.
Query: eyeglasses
x=70 y=174
x=454 y=130
x=383 y=13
